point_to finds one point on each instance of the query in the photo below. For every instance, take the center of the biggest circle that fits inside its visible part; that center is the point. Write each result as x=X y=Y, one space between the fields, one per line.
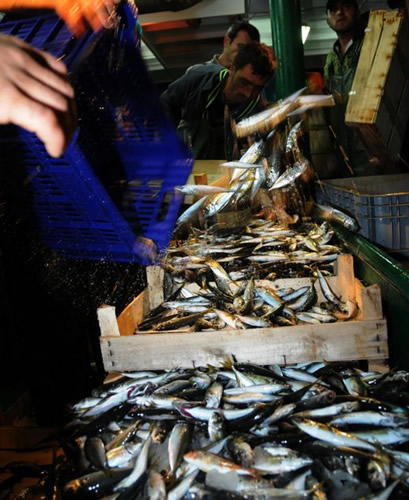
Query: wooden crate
x=379 y=100
x=365 y=337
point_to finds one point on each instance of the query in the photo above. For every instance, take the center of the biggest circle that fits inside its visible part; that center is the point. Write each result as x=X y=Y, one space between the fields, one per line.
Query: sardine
x=290 y=175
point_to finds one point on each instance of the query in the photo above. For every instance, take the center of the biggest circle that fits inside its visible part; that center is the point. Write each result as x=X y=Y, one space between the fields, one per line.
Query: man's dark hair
x=261 y=57
x=237 y=26
x=332 y=4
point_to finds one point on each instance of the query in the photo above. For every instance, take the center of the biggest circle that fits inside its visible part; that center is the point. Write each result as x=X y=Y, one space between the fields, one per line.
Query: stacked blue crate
x=379 y=203
x=111 y=195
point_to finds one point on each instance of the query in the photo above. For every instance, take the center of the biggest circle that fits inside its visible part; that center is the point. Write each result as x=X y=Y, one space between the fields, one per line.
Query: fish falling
x=239 y=430
x=269 y=180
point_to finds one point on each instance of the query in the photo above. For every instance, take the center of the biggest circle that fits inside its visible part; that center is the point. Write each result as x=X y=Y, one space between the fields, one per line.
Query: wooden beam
x=348 y=340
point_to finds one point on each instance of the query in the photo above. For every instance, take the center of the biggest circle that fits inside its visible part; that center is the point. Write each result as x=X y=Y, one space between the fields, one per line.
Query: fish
x=241 y=451
x=241 y=164
x=202 y=189
x=264 y=121
x=332 y=213
x=290 y=175
x=121 y=456
x=177 y=443
x=189 y=214
x=180 y=490
x=332 y=435
x=254 y=152
x=206 y=461
x=139 y=468
x=216 y=426
x=279 y=464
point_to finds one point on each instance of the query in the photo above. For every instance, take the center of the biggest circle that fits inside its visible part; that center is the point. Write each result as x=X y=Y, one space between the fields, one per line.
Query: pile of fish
x=216 y=280
x=254 y=229
x=313 y=430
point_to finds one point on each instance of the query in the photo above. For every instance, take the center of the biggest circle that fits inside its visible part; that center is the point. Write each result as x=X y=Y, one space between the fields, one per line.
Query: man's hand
x=35 y=94
x=77 y=14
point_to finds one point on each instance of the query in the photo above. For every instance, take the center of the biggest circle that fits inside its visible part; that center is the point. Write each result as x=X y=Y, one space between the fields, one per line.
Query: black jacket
x=195 y=104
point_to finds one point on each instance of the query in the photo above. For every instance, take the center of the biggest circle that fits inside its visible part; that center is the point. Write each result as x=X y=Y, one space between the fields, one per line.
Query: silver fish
x=140 y=467
x=122 y=455
x=206 y=461
x=332 y=435
x=178 y=440
x=337 y=215
x=290 y=175
x=182 y=488
x=253 y=153
x=279 y=464
x=201 y=189
x=189 y=214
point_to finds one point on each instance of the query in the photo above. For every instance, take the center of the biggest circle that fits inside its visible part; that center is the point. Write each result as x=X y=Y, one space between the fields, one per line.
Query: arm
x=175 y=97
x=35 y=94
x=172 y=100
x=76 y=13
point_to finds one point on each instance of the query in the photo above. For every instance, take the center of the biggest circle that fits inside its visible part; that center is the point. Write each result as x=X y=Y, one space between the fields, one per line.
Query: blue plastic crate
x=379 y=203
x=113 y=190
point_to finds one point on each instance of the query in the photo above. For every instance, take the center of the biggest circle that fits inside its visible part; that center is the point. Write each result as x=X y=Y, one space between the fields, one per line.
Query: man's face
x=232 y=47
x=243 y=85
x=342 y=18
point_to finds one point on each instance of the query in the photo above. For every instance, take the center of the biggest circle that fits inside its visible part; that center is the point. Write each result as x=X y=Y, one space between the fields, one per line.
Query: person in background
x=239 y=33
x=202 y=101
x=343 y=16
x=403 y=6
x=35 y=91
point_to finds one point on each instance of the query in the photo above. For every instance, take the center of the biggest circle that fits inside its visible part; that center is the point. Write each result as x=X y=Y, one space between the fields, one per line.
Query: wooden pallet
x=365 y=337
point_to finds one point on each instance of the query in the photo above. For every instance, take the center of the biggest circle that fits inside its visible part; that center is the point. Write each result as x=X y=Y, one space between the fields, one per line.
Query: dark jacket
x=196 y=106
x=339 y=73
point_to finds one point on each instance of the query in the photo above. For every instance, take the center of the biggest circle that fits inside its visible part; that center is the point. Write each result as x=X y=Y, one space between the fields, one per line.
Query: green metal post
x=287 y=45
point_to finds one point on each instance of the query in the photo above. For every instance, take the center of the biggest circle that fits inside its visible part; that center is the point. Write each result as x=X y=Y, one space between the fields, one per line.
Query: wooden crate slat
x=373 y=67
x=378 y=102
x=108 y=324
x=284 y=345
x=358 y=99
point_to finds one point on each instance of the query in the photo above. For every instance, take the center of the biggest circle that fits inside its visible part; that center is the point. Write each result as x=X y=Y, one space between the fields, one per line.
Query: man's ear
x=226 y=41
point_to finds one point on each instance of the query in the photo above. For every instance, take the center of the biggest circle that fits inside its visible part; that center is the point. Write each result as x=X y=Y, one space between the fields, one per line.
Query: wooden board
x=378 y=103
x=365 y=337
x=336 y=341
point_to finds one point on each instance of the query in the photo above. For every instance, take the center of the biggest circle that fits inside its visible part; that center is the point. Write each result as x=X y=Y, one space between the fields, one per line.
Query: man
x=201 y=102
x=240 y=33
x=344 y=18
x=403 y=6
